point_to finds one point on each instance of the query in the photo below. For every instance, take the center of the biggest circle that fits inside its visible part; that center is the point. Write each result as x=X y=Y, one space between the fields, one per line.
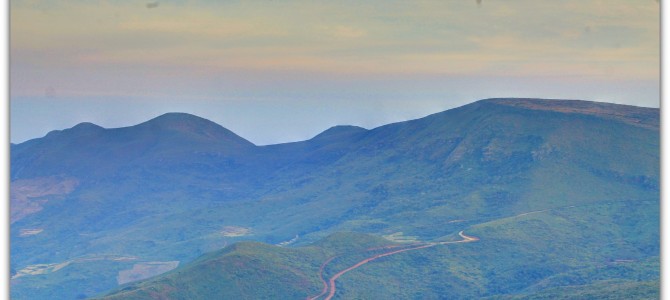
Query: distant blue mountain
x=554 y=189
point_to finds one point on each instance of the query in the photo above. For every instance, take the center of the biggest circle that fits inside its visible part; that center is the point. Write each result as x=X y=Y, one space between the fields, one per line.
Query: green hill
x=251 y=270
x=530 y=177
x=557 y=253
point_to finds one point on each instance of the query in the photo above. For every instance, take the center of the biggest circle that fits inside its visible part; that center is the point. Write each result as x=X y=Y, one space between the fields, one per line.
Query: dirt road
x=325 y=284
x=331 y=282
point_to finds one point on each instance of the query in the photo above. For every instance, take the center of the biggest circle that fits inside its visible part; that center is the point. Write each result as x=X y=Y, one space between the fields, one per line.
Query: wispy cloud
x=117 y=39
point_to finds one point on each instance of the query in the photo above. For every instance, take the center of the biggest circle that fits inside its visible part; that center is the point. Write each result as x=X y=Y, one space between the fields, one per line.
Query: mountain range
x=502 y=198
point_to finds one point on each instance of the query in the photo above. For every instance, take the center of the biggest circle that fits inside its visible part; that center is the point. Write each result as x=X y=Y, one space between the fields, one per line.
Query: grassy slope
x=582 y=251
x=533 y=254
x=250 y=270
x=609 y=290
x=428 y=178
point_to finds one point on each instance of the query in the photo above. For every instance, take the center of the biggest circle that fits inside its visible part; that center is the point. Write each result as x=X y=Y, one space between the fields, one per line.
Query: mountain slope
x=539 y=255
x=179 y=186
x=250 y=270
x=89 y=150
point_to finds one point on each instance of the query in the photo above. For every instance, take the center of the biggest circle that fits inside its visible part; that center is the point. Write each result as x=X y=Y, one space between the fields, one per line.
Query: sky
x=278 y=71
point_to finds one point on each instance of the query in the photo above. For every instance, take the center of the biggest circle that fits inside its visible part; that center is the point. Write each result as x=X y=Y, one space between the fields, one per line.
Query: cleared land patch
x=30 y=231
x=38 y=269
x=399 y=237
x=235 y=231
x=28 y=195
x=145 y=270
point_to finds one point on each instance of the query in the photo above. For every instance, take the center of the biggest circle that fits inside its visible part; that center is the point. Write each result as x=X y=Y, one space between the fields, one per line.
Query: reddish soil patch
x=28 y=195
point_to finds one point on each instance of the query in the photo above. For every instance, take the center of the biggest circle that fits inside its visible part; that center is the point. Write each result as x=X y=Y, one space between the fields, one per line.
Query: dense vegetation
x=543 y=255
x=564 y=196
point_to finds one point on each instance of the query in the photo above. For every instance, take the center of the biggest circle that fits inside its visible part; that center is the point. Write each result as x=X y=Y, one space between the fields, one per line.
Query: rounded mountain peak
x=81 y=129
x=191 y=125
x=87 y=126
x=339 y=131
x=177 y=119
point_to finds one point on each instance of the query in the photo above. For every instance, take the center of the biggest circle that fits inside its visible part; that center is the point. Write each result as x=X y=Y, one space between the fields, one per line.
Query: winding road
x=325 y=284
x=330 y=285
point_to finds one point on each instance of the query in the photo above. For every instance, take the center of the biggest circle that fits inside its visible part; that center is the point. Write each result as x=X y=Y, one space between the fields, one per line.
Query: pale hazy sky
x=277 y=71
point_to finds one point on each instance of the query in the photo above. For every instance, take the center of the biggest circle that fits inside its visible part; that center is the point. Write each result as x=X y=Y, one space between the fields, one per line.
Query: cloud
x=113 y=40
x=348 y=32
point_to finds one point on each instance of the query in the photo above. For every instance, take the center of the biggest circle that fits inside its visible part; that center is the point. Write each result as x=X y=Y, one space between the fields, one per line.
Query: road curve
x=325 y=284
x=331 y=281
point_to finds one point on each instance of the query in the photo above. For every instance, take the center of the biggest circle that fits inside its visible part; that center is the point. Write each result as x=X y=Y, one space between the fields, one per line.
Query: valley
x=498 y=199
x=330 y=286
x=352 y=263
